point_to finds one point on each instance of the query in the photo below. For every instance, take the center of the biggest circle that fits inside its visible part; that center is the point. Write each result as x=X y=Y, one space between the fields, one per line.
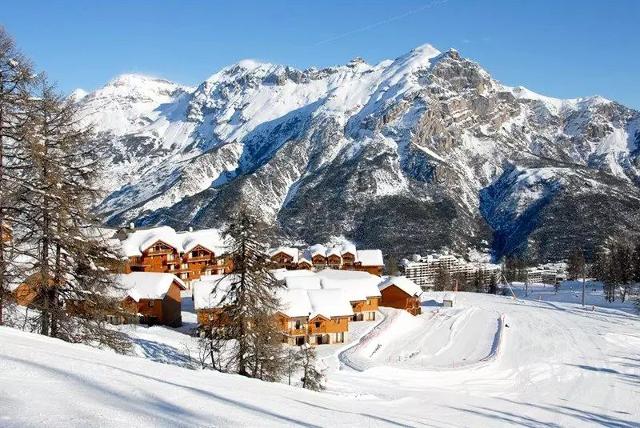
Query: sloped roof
x=303 y=282
x=370 y=257
x=348 y=248
x=317 y=249
x=403 y=283
x=290 y=251
x=356 y=286
x=207 y=238
x=329 y=303
x=140 y=240
x=299 y=302
x=147 y=285
x=210 y=291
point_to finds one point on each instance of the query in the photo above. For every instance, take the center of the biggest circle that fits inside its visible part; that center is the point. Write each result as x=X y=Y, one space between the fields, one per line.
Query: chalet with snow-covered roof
x=309 y=313
x=314 y=316
x=318 y=256
x=209 y=294
x=153 y=297
x=359 y=288
x=401 y=293
x=188 y=255
x=285 y=257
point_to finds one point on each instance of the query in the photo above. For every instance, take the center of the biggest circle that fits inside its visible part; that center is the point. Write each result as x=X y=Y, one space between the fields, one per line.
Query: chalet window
x=169 y=256
x=317 y=324
x=151 y=303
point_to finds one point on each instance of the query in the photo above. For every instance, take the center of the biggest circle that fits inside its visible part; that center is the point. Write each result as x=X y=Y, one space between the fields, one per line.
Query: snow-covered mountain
x=426 y=150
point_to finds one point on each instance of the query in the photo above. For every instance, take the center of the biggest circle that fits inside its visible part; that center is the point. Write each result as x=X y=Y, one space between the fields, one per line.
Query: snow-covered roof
x=295 y=302
x=282 y=274
x=403 y=283
x=334 y=251
x=299 y=302
x=370 y=257
x=356 y=286
x=209 y=291
x=317 y=249
x=146 y=285
x=329 y=303
x=140 y=240
x=304 y=282
x=305 y=257
x=207 y=238
x=290 y=251
x=348 y=248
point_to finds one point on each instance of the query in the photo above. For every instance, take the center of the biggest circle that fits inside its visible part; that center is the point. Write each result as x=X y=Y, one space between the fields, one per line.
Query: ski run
x=540 y=360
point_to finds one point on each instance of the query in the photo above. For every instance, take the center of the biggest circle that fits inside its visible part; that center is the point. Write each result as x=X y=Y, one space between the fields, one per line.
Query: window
x=298 y=325
x=317 y=324
x=151 y=303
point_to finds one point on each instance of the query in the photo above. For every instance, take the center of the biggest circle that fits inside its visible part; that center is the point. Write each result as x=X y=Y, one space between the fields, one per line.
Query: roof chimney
x=132 y=226
x=190 y=229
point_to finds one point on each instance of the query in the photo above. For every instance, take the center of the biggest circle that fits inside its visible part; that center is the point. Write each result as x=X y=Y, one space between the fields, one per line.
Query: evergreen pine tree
x=250 y=302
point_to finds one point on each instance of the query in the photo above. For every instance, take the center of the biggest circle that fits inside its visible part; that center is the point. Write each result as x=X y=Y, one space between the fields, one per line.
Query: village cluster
x=325 y=288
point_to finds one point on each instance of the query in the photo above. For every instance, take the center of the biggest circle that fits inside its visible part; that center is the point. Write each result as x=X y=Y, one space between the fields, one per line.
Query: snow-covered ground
x=555 y=364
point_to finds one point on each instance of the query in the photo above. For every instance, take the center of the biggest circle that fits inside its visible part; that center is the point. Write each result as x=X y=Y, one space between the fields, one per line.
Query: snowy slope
x=423 y=139
x=556 y=365
x=432 y=340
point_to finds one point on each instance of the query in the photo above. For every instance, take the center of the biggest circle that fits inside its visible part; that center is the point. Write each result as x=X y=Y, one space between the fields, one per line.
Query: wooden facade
x=283 y=260
x=318 y=330
x=345 y=261
x=165 y=311
x=6 y=234
x=189 y=266
x=395 y=297
x=30 y=290
x=365 y=310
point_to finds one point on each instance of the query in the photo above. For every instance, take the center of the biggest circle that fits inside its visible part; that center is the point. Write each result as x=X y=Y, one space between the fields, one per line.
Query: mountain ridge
x=420 y=150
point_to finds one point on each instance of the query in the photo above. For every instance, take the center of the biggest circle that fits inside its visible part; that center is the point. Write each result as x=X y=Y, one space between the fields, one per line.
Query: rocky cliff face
x=422 y=152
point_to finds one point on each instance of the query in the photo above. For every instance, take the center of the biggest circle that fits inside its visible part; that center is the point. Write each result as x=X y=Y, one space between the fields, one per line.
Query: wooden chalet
x=208 y=300
x=401 y=293
x=359 y=288
x=308 y=316
x=188 y=255
x=153 y=297
x=343 y=257
x=285 y=257
x=317 y=317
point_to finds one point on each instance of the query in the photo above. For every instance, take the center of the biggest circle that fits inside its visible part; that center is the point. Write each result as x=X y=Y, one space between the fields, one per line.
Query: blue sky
x=558 y=48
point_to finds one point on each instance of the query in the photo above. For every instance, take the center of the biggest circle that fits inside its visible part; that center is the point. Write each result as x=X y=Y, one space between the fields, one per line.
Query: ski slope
x=439 y=338
x=555 y=365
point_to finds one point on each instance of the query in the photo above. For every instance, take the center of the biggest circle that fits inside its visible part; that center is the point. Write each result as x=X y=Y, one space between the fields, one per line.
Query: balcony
x=296 y=331
x=152 y=252
x=200 y=259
